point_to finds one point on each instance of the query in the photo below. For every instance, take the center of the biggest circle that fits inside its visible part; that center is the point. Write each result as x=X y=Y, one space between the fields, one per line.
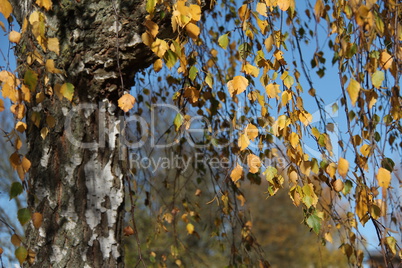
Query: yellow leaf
x=262 y=9
x=158 y=65
x=5 y=75
x=365 y=150
x=287 y=79
x=338 y=185
x=236 y=173
x=254 y=163
x=384 y=178
x=152 y=27
x=126 y=102
x=243 y=142
x=15 y=160
x=309 y=196
x=14 y=37
x=46 y=4
x=318 y=9
x=43 y=132
x=353 y=90
x=362 y=205
x=182 y=8
x=251 y=70
x=251 y=131
x=328 y=237
x=243 y=12
x=5 y=8
x=51 y=68
x=26 y=164
x=67 y=91
x=24 y=25
x=147 y=39
x=343 y=167
x=16 y=240
x=331 y=169
x=192 y=30
x=10 y=92
x=159 y=47
x=53 y=45
x=31 y=256
x=41 y=96
x=35 y=17
x=286 y=97
x=391 y=244
x=279 y=56
x=272 y=90
x=1 y=105
x=9 y=86
x=241 y=198
x=305 y=117
x=293 y=139
x=195 y=12
x=21 y=126
x=20 y=172
x=26 y=93
x=37 y=220
x=385 y=60
x=18 y=110
x=192 y=94
x=190 y=228
x=2 y=26
x=271 y=3
x=292 y=174
x=269 y=42
x=263 y=25
x=283 y=4
x=237 y=85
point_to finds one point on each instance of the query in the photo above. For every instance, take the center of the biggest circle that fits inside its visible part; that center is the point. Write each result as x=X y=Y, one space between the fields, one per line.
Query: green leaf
x=67 y=90
x=391 y=243
x=170 y=58
x=24 y=215
x=287 y=79
x=223 y=41
x=21 y=253
x=334 y=107
x=178 y=121
x=31 y=79
x=16 y=189
x=244 y=50
x=347 y=186
x=314 y=222
x=377 y=78
x=150 y=7
x=388 y=164
x=309 y=197
x=270 y=173
x=192 y=74
x=209 y=80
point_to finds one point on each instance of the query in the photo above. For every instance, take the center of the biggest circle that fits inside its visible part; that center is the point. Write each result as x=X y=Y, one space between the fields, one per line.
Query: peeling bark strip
x=79 y=189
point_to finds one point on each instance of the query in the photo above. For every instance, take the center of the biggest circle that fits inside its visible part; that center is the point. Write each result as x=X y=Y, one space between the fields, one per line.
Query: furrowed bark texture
x=75 y=180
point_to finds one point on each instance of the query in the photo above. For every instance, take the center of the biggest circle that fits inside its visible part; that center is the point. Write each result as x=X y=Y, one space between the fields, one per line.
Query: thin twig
x=140 y=258
x=117 y=44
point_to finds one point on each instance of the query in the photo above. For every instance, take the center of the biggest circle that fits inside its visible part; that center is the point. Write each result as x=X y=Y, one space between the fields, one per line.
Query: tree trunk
x=76 y=181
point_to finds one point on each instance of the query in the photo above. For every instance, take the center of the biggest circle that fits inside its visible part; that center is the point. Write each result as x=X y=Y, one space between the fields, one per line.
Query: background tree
x=229 y=70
